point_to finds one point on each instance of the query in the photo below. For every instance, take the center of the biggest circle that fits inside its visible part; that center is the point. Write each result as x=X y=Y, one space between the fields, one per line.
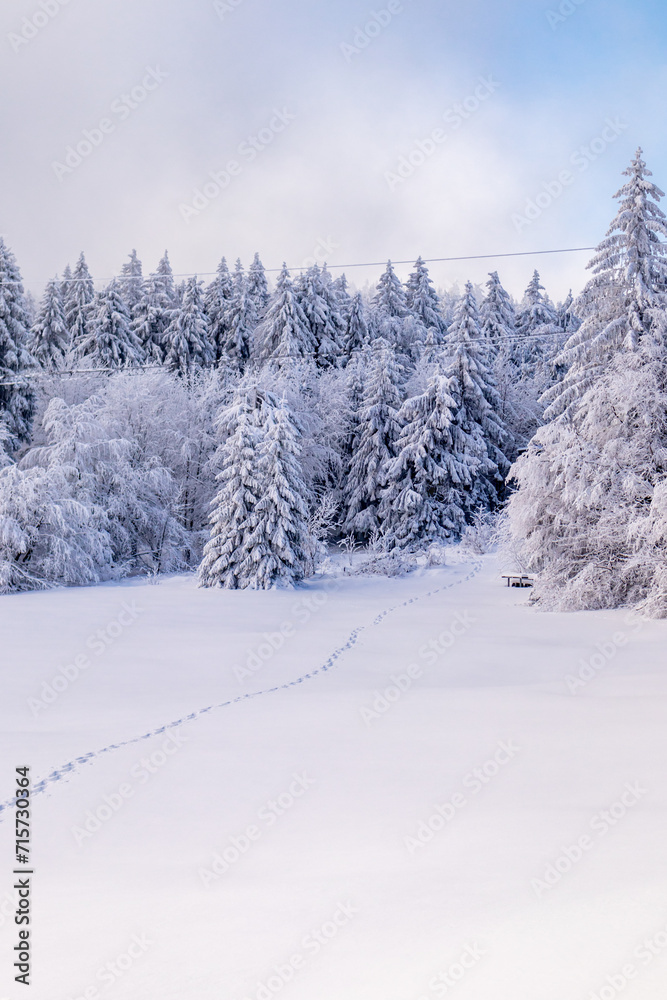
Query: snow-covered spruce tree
x=216 y=303
x=132 y=283
x=49 y=337
x=623 y=303
x=343 y=297
x=390 y=298
x=467 y=361
x=374 y=443
x=165 y=276
x=241 y=320
x=497 y=317
x=355 y=382
x=519 y=409
x=568 y=323
x=179 y=292
x=590 y=500
x=79 y=303
x=226 y=561
x=155 y=311
x=393 y=321
x=280 y=546
x=525 y=365
x=390 y=308
x=284 y=334
x=258 y=520
x=319 y=303
x=65 y=283
x=568 y=320
x=430 y=481
x=17 y=401
x=422 y=300
x=4 y=445
x=187 y=342
x=356 y=335
x=111 y=342
x=258 y=288
x=537 y=331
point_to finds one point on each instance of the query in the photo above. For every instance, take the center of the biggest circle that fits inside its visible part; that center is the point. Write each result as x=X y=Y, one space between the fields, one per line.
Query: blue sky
x=324 y=180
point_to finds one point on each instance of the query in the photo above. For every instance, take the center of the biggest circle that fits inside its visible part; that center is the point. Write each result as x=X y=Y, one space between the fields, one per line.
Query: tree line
x=239 y=429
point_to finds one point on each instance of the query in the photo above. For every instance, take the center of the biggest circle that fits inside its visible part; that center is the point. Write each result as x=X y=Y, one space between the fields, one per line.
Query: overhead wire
x=301 y=267
x=429 y=260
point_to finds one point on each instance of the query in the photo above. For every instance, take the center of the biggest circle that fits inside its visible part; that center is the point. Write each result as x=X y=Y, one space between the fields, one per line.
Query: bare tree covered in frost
x=48 y=537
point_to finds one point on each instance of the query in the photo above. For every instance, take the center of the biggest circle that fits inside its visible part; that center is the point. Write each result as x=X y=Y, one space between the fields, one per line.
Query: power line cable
x=300 y=267
x=130 y=369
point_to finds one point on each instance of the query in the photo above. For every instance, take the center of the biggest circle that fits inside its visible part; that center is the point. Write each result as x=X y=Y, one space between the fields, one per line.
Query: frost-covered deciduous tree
x=47 y=537
x=107 y=466
x=49 y=337
x=17 y=401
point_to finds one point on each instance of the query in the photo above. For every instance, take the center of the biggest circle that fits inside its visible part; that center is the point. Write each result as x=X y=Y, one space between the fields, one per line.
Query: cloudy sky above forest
x=349 y=131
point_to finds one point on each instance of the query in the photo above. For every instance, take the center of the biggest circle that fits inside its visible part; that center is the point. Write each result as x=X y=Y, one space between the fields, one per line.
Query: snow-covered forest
x=157 y=425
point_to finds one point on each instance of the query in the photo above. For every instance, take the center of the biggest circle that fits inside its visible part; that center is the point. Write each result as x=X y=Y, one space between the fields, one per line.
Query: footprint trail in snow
x=74 y=765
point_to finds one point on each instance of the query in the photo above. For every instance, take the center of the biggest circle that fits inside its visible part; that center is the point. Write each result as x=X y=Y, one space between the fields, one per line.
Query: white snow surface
x=408 y=916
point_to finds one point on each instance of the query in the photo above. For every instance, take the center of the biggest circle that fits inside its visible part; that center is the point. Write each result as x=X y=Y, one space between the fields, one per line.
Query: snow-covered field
x=291 y=844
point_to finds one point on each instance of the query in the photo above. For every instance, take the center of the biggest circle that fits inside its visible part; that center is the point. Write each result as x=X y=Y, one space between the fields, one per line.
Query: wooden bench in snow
x=518 y=580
